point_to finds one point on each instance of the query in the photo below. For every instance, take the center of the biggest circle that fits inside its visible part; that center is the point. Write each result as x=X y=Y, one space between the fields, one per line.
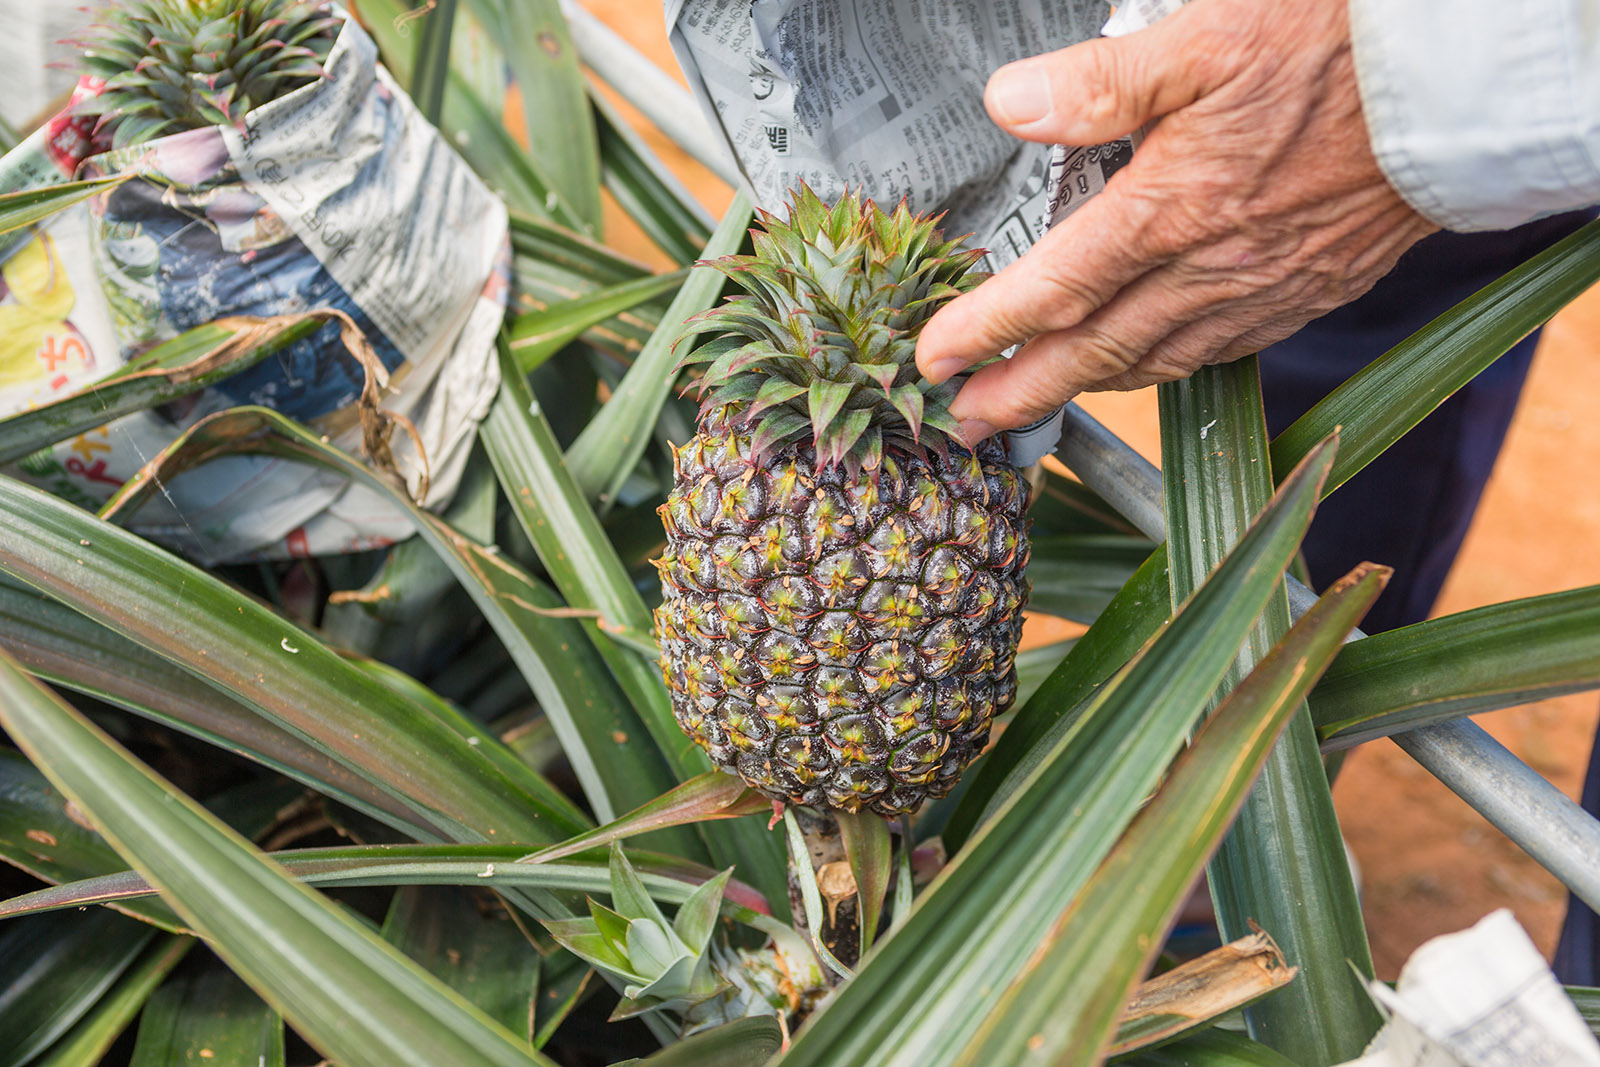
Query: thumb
x=1096 y=91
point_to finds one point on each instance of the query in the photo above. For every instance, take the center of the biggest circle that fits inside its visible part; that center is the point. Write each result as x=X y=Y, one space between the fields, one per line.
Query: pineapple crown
x=823 y=341
x=173 y=65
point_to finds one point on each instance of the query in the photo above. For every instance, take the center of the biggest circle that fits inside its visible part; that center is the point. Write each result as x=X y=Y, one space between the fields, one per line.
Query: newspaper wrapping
x=338 y=195
x=887 y=97
x=1482 y=997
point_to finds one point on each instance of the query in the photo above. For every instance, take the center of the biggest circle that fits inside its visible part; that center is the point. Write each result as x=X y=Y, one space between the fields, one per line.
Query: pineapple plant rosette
x=844 y=577
x=279 y=170
x=173 y=65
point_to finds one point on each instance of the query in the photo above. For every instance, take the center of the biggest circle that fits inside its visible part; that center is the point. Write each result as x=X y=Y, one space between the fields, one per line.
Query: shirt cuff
x=1483 y=114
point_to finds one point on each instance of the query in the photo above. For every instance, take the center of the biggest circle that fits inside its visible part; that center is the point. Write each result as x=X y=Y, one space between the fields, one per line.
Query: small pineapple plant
x=174 y=65
x=844 y=577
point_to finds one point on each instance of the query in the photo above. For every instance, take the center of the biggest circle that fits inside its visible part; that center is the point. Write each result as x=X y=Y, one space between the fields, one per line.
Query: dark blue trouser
x=1411 y=507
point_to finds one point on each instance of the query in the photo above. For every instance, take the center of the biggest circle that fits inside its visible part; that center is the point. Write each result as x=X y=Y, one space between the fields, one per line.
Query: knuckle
x=1098 y=355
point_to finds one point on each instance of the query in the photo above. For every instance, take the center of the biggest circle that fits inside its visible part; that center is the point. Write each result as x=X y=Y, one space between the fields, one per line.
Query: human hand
x=1254 y=206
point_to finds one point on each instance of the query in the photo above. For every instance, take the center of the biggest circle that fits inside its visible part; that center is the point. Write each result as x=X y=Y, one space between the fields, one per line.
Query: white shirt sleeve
x=1484 y=114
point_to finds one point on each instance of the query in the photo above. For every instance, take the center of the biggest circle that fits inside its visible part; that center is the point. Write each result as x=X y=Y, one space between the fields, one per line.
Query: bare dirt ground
x=1429 y=864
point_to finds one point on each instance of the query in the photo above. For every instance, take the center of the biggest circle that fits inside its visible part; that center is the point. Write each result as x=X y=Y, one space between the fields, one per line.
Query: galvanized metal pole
x=1517 y=800
x=638 y=80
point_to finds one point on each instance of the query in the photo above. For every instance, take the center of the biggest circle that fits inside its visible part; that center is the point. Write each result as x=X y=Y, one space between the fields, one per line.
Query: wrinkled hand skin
x=1254 y=206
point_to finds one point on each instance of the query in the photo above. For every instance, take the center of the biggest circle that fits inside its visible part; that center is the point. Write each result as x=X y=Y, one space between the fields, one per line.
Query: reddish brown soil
x=1429 y=864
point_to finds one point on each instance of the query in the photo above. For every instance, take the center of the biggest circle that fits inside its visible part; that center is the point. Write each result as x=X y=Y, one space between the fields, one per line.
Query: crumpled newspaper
x=886 y=96
x=339 y=195
x=1479 y=998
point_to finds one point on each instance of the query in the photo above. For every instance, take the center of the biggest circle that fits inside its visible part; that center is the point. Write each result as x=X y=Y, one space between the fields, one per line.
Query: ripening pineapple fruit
x=843 y=577
x=173 y=65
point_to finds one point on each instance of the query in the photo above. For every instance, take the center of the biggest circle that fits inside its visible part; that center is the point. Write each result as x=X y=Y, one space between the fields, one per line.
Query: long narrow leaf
x=478 y=952
x=1398 y=389
x=557 y=119
x=538 y=335
x=186 y=364
x=593 y=720
x=709 y=796
x=1063 y=1008
x=29 y=206
x=1134 y=616
x=610 y=446
x=580 y=560
x=1480 y=660
x=1283 y=865
x=54 y=968
x=475 y=126
x=430 y=70
x=929 y=986
x=207 y=1014
x=71 y=650
x=742 y=1043
x=93 y=1035
x=488 y=866
x=268 y=663
x=341 y=986
x=645 y=189
x=1075 y=577
x=1211 y=1048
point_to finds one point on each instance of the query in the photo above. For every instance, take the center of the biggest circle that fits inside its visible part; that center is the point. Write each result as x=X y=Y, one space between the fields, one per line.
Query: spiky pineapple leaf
x=609 y=447
x=190 y=362
x=28 y=206
x=341 y=986
x=1063 y=1008
x=205 y=1013
x=69 y=649
x=592 y=718
x=1283 y=866
x=266 y=662
x=92 y=1037
x=1398 y=389
x=1491 y=657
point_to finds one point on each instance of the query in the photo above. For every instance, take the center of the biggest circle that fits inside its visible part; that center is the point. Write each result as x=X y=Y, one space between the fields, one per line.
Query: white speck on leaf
x=474 y=740
x=287 y=647
x=487 y=872
x=1206 y=429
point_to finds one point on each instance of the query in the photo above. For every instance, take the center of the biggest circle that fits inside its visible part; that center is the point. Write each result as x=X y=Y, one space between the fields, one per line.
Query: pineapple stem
x=803 y=875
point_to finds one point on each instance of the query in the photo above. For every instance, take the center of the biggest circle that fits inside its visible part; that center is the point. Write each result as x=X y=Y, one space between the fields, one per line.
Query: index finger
x=1074 y=269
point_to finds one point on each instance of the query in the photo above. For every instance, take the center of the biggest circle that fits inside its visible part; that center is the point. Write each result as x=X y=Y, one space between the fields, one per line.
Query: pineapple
x=843 y=579
x=173 y=65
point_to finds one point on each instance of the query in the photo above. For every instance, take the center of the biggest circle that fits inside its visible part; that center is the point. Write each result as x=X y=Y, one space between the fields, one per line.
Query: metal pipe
x=656 y=94
x=1517 y=800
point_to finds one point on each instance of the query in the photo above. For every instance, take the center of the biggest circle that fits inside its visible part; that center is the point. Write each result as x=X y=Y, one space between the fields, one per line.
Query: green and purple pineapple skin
x=844 y=578
x=175 y=65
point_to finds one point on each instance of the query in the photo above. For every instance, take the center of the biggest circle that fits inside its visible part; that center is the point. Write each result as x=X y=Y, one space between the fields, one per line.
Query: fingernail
x=1019 y=94
x=975 y=430
x=940 y=369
